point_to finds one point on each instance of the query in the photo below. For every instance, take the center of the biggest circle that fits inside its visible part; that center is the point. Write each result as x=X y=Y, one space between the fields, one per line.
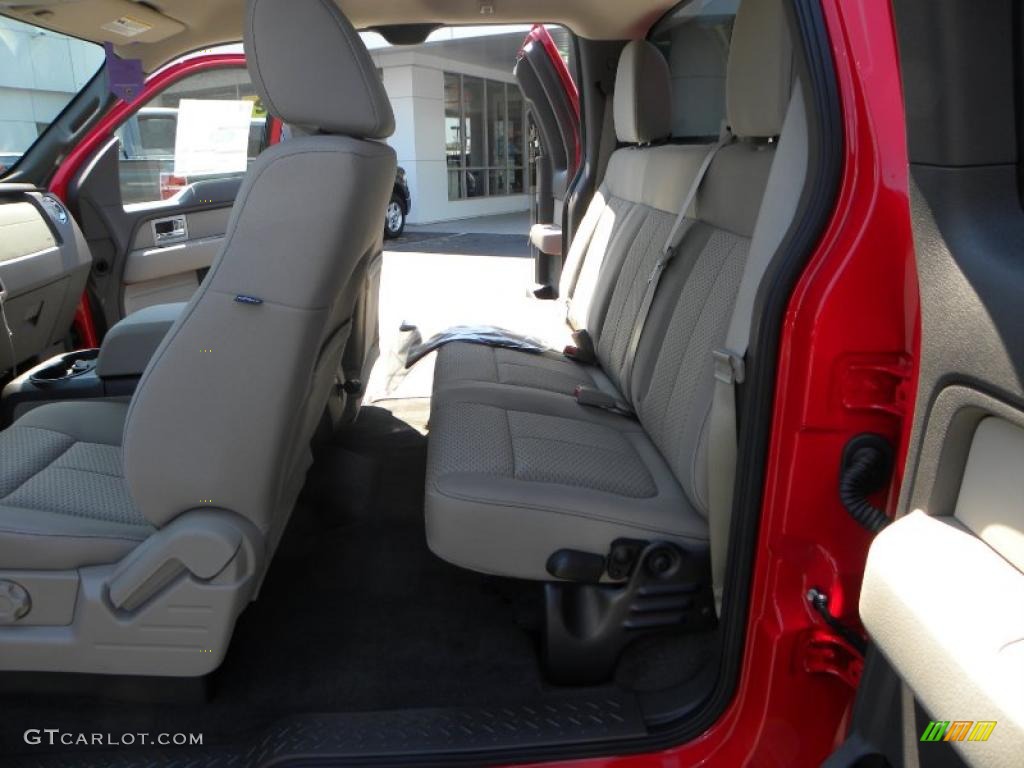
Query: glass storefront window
x=485 y=137
x=497 y=124
x=473 y=120
x=453 y=134
x=516 y=140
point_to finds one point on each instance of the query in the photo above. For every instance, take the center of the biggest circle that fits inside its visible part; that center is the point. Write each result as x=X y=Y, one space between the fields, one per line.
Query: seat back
x=362 y=349
x=673 y=377
x=225 y=410
x=631 y=213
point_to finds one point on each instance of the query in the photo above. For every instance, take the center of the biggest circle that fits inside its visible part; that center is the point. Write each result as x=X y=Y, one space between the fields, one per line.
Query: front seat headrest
x=643 y=95
x=311 y=69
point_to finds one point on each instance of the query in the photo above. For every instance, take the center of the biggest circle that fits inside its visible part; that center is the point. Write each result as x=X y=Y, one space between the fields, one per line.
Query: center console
x=113 y=370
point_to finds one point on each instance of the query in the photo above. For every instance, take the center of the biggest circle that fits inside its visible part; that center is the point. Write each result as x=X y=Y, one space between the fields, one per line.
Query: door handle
x=171 y=230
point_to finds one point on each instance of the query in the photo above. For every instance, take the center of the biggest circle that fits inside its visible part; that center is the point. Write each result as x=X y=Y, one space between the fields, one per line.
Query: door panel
x=554 y=112
x=943 y=592
x=161 y=268
x=131 y=269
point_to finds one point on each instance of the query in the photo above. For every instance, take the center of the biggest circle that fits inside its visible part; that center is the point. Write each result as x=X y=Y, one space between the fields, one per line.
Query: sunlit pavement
x=435 y=280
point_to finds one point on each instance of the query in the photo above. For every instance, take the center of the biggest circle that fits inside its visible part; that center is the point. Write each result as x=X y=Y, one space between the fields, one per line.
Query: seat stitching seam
x=41 y=534
x=511 y=444
x=568 y=513
x=271 y=302
x=37 y=472
x=630 y=451
x=698 y=500
x=87 y=471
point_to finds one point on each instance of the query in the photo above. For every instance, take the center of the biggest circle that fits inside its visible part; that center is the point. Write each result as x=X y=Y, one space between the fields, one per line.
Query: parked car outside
x=398 y=206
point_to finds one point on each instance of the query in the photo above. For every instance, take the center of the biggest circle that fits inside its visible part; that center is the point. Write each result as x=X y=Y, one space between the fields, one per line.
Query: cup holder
x=65 y=367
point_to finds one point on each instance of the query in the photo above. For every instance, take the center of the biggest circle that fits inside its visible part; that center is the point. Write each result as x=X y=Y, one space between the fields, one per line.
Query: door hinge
x=837 y=650
x=878 y=385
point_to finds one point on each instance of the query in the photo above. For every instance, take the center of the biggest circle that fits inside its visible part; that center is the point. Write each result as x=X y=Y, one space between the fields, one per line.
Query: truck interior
x=206 y=526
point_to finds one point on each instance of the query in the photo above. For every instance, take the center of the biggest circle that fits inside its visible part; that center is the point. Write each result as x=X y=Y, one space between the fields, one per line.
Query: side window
x=206 y=126
x=696 y=47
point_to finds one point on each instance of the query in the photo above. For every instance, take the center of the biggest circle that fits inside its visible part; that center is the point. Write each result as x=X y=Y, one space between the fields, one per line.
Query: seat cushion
x=514 y=475
x=463 y=362
x=64 y=502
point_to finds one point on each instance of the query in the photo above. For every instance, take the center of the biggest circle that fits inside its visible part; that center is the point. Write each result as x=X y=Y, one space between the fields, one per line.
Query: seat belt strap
x=668 y=251
x=778 y=209
x=722 y=445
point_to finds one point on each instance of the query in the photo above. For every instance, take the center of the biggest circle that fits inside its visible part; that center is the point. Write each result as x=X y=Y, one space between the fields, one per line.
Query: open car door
x=554 y=109
x=152 y=199
x=943 y=591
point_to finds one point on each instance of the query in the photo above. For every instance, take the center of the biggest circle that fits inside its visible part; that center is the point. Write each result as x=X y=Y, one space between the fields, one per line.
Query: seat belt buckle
x=596 y=398
x=582 y=350
x=729 y=366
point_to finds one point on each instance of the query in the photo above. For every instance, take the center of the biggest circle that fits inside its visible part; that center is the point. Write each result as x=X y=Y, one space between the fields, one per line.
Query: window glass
x=497 y=124
x=205 y=126
x=485 y=138
x=473 y=120
x=40 y=72
x=516 y=139
x=453 y=134
x=695 y=43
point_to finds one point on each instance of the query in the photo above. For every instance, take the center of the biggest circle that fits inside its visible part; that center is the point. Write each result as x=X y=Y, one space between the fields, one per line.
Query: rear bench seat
x=517 y=468
x=615 y=247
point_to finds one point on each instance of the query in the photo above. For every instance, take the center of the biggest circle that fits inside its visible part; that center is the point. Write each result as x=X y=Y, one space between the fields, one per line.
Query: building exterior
x=460 y=121
x=39 y=73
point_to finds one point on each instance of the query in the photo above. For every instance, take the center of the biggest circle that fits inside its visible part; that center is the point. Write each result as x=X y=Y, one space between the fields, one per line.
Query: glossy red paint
x=847 y=364
x=539 y=34
x=104 y=130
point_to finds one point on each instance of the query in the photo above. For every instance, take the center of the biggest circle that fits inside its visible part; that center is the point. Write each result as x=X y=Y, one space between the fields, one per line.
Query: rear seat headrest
x=759 y=75
x=311 y=69
x=643 y=93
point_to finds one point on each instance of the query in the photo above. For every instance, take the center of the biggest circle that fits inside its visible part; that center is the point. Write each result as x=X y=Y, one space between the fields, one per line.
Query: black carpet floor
x=355 y=614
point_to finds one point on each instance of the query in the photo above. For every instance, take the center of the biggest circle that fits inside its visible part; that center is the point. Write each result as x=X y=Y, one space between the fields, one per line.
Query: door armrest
x=130 y=344
x=547 y=238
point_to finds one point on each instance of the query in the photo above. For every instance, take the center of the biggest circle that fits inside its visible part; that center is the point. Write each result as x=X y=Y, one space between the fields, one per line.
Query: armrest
x=547 y=238
x=130 y=344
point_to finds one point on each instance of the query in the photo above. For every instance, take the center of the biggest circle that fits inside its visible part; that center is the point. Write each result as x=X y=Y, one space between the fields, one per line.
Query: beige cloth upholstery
x=64 y=502
x=517 y=468
x=613 y=252
x=311 y=69
x=216 y=437
x=300 y=256
x=513 y=476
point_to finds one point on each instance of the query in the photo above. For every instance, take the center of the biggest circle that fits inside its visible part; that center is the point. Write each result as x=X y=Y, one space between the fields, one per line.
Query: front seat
x=137 y=560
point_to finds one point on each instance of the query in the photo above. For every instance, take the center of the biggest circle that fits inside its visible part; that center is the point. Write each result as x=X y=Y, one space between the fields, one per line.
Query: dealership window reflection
x=485 y=137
